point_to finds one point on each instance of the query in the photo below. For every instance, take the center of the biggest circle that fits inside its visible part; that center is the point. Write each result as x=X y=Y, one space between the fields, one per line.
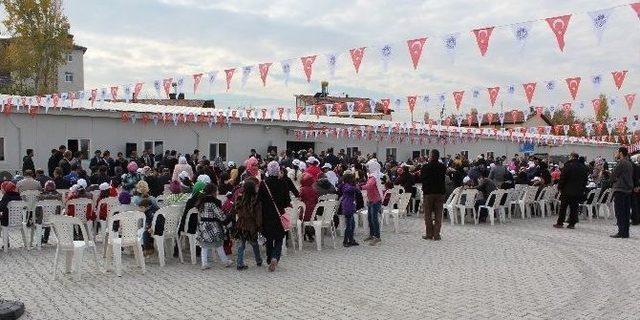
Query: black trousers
x=635 y=208
x=572 y=202
x=622 y=204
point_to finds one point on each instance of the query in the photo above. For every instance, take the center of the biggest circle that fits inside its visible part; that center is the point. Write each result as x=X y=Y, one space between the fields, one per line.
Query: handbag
x=284 y=218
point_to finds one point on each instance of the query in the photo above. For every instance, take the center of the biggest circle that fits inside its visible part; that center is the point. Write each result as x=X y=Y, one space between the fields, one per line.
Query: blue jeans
x=622 y=205
x=373 y=211
x=240 y=253
x=349 y=229
x=274 y=249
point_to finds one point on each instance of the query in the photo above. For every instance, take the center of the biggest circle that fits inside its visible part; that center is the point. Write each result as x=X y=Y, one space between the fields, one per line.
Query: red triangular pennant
x=196 y=82
x=559 y=27
x=490 y=117
x=573 y=84
x=457 y=97
x=411 y=101
x=415 y=50
x=307 y=65
x=386 y=104
x=166 y=84
x=596 y=105
x=264 y=70
x=136 y=90
x=493 y=95
x=636 y=8
x=539 y=111
x=482 y=39
x=356 y=57
x=529 y=90
x=228 y=75
x=567 y=109
x=114 y=93
x=630 y=98
x=618 y=78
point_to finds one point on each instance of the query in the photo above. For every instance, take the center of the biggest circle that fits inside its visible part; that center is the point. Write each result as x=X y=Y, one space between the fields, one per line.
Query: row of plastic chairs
x=598 y=203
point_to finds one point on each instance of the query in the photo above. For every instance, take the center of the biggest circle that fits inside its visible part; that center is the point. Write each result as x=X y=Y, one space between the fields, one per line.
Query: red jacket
x=308 y=196
x=314 y=171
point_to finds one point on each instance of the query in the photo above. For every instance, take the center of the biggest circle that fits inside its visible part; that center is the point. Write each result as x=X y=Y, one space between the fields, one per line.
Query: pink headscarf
x=132 y=167
x=252 y=166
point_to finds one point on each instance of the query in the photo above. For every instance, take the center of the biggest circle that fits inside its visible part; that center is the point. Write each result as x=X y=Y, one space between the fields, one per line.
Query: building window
x=69 y=57
x=79 y=145
x=391 y=153
x=156 y=147
x=1 y=149
x=352 y=152
x=218 y=150
x=68 y=76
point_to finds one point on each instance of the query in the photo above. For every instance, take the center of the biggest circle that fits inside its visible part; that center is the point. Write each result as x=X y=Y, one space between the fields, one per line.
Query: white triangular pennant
x=599 y=21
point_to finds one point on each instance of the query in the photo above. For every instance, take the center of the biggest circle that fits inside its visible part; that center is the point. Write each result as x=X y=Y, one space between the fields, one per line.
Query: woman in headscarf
x=374 y=188
x=248 y=211
x=176 y=195
x=191 y=203
x=49 y=193
x=10 y=194
x=132 y=177
x=273 y=195
x=182 y=166
x=252 y=169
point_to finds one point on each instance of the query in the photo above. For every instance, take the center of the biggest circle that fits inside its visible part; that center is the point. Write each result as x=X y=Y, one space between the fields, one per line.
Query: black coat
x=573 y=179
x=432 y=178
x=27 y=164
x=271 y=209
x=54 y=160
x=4 y=212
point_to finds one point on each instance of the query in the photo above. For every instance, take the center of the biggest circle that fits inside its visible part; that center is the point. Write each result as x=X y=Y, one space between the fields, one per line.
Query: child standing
x=348 y=190
x=211 y=227
x=373 y=186
x=248 y=211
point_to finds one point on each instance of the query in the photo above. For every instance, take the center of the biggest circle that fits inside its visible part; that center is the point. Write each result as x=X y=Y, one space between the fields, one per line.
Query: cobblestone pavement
x=520 y=270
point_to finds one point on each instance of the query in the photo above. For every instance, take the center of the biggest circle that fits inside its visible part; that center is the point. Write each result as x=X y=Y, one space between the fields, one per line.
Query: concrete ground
x=524 y=269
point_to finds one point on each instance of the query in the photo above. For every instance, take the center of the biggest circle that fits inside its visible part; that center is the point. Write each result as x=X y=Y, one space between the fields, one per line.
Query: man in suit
x=572 y=185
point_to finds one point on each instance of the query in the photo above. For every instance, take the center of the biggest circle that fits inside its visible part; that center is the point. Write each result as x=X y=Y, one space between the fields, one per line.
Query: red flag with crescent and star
x=307 y=65
x=573 y=84
x=482 y=39
x=529 y=90
x=357 y=54
x=415 y=50
x=559 y=27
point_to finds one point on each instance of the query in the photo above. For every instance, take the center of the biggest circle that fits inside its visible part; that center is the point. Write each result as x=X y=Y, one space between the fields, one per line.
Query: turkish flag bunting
x=298 y=112
x=529 y=90
x=469 y=119
x=356 y=57
x=55 y=98
x=514 y=116
x=596 y=105
x=539 y=111
x=559 y=27
x=337 y=107
x=411 y=101
x=457 y=97
x=360 y=106
x=386 y=103
x=618 y=78
x=114 y=93
x=307 y=65
x=228 y=75
x=482 y=39
x=94 y=94
x=318 y=110
x=490 y=117
x=630 y=98
x=493 y=95
x=636 y=8
x=166 y=84
x=264 y=70
x=573 y=84
x=415 y=50
x=567 y=109
x=136 y=90
x=196 y=82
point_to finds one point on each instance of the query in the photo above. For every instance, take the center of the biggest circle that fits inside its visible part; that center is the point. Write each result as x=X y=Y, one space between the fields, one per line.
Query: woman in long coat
x=273 y=195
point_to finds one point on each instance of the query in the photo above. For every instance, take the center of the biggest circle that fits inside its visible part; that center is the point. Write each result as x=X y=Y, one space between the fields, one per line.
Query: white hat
x=103 y=186
x=327 y=166
x=82 y=183
x=313 y=159
x=183 y=175
x=139 y=170
x=295 y=162
x=466 y=179
x=204 y=178
x=231 y=164
x=536 y=179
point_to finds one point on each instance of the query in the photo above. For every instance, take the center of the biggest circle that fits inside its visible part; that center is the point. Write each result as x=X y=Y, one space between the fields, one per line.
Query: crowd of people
x=257 y=192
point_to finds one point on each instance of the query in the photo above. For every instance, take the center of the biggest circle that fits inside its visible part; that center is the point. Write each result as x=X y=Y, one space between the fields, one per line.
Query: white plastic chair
x=590 y=204
x=467 y=202
x=81 y=207
x=604 y=206
x=191 y=237
x=110 y=203
x=297 y=208
x=63 y=227
x=49 y=209
x=361 y=215
x=493 y=206
x=17 y=213
x=401 y=211
x=125 y=236
x=394 y=199
x=172 y=215
x=451 y=203
x=114 y=211
x=525 y=202
x=326 y=221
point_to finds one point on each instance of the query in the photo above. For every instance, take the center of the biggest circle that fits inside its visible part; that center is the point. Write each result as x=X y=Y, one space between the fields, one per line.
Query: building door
x=296 y=146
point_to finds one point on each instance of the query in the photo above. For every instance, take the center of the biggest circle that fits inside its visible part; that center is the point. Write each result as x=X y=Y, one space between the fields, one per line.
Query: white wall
x=106 y=131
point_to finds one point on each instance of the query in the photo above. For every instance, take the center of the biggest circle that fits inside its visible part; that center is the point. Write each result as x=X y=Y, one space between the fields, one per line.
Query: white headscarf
x=332 y=177
x=373 y=168
x=182 y=160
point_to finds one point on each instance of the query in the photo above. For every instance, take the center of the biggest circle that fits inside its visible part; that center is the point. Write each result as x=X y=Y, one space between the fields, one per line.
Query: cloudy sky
x=144 y=40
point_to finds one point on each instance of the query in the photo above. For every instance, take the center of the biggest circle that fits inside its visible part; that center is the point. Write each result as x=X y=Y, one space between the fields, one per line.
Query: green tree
x=603 y=112
x=39 y=41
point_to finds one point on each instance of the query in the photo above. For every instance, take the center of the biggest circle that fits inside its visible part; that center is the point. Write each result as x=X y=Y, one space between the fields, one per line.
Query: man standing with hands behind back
x=622 y=186
x=432 y=175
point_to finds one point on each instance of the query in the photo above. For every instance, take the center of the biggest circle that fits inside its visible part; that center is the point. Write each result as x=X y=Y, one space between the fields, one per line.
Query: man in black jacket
x=622 y=187
x=572 y=185
x=432 y=175
x=27 y=162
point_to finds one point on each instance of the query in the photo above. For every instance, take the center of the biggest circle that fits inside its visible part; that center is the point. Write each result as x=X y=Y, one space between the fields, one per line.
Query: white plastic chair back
x=49 y=209
x=30 y=197
x=493 y=200
x=297 y=208
x=329 y=210
x=111 y=203
x=172 y=215
x=17 y=212
x=130 y=222
x=63 y=229
x=191 y=211
x=468 y=196
x=403 y=201
x=605 y=197
x=326 y=197
x=453 y=197
x=591 y=197
x=80 y=207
